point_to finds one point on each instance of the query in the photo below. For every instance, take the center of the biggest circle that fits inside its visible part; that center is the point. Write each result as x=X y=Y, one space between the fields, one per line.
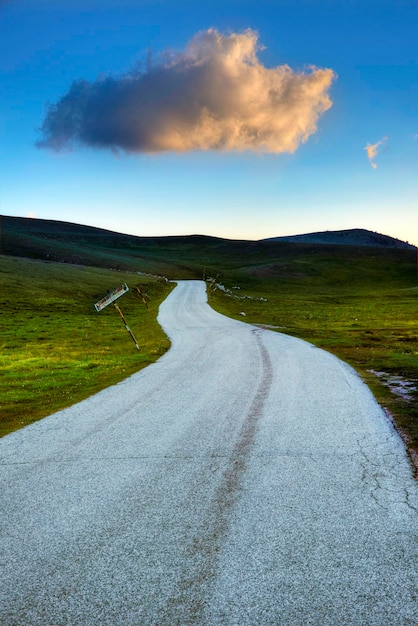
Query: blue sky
x=329 y=182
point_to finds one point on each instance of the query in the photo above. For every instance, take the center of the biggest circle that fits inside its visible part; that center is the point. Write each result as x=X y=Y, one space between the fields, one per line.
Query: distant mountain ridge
x=351 y=237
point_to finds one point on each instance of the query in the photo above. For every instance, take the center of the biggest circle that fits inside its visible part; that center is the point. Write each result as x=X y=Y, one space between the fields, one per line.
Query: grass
x=55 y=348
x=345 y=308
x=361 y=303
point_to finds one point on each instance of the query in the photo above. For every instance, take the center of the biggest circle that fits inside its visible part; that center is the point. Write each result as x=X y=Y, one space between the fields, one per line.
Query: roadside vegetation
x=363 y=308
x=358 y=301
x=55 y=348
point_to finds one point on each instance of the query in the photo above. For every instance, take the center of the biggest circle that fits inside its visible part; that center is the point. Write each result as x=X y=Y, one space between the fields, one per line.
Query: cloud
x=374 y=149
x=216 y=95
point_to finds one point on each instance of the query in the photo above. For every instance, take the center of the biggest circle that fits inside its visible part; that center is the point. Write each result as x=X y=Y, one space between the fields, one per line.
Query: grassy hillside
x=181 y=257
x=361 y=305
x=55 y=349
x=359 y=302
x=352 y=237
x=63 y=242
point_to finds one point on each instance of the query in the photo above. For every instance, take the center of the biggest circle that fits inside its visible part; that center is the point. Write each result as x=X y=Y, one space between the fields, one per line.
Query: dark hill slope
x=65 y=242
x=302 y=264
x=353 y=237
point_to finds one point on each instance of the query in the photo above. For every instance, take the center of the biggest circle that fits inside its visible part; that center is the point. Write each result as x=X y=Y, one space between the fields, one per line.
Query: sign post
x=126 y=326
x=142 y=295
x=111 y=297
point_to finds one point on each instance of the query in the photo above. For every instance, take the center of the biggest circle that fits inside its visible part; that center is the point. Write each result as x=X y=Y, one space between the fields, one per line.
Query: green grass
x=361 y=303
x=347 y=309
x=55 y=349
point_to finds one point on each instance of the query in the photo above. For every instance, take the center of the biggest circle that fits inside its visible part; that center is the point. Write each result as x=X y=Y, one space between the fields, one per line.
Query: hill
x=300 y=262
x=356 y=300
x=352 y=237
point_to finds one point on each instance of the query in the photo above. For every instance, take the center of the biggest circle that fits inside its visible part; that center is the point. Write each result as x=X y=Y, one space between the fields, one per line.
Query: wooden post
x=142 y=296
x=126 y=325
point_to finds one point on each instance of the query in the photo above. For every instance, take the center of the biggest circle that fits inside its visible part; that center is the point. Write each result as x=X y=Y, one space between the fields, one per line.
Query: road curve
x=246 y=478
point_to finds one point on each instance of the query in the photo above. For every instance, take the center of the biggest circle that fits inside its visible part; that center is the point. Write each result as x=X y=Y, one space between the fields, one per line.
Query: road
x=246 y=478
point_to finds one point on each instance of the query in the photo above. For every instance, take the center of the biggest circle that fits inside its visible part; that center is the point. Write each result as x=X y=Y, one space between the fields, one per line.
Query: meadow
x=357 y=301
x=55 y=349
x=363 y=309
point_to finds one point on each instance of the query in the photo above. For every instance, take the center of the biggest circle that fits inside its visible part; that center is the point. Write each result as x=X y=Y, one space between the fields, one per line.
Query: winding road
x=246 y=478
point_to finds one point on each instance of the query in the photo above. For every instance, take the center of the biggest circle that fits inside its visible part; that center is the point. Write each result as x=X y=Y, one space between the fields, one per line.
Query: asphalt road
x=246 y=478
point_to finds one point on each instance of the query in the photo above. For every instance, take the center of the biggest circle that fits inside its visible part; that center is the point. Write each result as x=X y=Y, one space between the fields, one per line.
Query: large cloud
x=214 y=96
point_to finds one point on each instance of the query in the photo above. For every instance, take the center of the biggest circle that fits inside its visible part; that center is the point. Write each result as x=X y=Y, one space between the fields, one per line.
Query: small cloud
x=216 y=95
x=31 y=215
x=374 y=149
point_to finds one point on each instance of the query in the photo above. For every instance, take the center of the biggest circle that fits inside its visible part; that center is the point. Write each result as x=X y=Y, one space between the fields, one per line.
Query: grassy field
x=363 y=308
x=55 y=348
x=359 y=302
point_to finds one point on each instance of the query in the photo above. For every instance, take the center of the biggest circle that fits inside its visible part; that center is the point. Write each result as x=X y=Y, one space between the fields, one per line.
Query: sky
x=241 y=119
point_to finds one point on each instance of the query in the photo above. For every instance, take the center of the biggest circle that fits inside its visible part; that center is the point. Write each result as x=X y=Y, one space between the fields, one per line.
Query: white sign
x=111 y=297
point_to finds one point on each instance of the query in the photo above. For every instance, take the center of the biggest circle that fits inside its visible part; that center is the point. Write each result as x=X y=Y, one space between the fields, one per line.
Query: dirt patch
x=269 y=326
x=400 y=386
x=406 y=389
